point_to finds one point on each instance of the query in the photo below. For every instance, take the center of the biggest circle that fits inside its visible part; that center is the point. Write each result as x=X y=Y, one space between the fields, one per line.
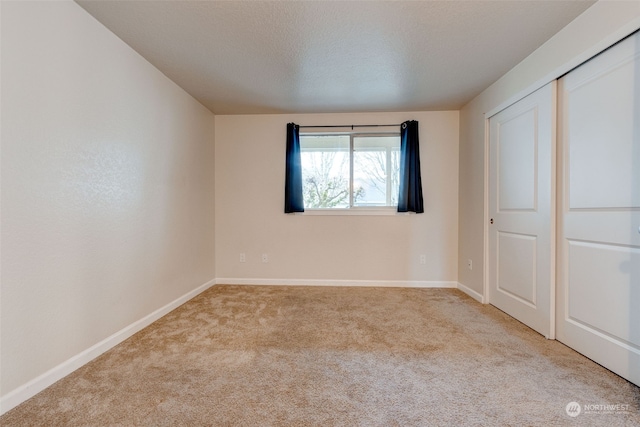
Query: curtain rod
x=350 y=126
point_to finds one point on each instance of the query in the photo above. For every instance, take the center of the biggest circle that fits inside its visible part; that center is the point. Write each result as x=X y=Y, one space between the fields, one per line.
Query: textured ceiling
x=242 y=57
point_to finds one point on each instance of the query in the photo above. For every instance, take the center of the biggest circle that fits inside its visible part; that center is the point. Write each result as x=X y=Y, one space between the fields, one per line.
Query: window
x=350 y=170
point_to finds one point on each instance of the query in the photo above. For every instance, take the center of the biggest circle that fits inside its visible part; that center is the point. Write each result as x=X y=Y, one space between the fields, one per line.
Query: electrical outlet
x=265 y=258
x=470 y=264
x=243 y=257
x=423 y=259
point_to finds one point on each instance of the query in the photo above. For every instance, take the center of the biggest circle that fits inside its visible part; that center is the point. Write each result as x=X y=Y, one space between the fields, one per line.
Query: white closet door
x=522 y=209
x=598 y=311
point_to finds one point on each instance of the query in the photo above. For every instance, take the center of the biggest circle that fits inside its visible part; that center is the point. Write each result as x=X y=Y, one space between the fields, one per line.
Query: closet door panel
x=522 y=207
x=598 y=295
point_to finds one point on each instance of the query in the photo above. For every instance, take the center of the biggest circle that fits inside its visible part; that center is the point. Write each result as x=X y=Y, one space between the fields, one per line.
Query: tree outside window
x=350 y=170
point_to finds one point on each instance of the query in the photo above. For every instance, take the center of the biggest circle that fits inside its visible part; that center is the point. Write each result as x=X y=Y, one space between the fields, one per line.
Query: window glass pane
x=325 y=170
x=376 y=170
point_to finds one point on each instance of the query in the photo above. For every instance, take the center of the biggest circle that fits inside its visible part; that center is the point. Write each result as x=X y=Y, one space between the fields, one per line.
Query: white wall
x=250 y=158
x=599 y=26
x=107 y=203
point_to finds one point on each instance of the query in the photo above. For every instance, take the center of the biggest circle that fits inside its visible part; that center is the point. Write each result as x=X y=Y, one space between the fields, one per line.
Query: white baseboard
x=362 y=283
x=35 y=386
x=473 y=294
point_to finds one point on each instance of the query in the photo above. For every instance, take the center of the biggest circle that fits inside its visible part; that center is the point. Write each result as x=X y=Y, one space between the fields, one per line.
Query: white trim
x=594 y=50
x=473 y=294
x=361 y=283
x=553 y=211
x=382 y=211
x=589 y=53
x=35 y=386
x=485 y=225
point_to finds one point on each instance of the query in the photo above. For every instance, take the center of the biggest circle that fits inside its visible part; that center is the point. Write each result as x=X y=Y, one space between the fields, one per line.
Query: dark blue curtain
x=293 y=201
x=410 y=193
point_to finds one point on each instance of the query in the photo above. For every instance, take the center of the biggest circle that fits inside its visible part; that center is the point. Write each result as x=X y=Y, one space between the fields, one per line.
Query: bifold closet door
x=522 y=209
x=598 y=295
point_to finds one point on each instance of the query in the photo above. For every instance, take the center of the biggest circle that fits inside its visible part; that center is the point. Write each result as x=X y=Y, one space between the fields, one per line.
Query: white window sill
x=381 y=211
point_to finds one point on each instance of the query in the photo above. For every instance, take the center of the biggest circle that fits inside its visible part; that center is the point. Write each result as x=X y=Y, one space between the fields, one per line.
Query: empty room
x=319 y=213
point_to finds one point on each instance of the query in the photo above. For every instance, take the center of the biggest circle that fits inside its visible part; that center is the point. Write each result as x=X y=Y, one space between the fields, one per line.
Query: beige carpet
x=261 y=356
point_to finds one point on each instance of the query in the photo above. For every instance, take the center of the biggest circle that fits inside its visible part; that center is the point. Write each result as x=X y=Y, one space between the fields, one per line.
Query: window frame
x=351 y=209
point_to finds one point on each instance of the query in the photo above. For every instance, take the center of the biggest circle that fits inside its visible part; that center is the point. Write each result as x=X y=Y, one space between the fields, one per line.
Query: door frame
x=603 y=44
